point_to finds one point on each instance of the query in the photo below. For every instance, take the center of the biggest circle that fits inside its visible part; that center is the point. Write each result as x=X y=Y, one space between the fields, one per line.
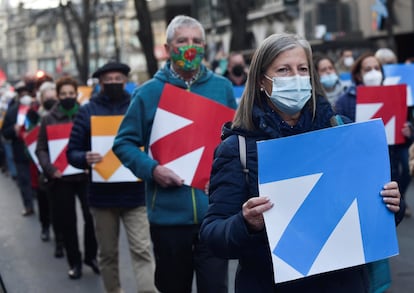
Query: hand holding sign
x=253 y=210
x=166 y=177
x=93 y=158
x=328 y=212
x=185 y=132
x=106 y=166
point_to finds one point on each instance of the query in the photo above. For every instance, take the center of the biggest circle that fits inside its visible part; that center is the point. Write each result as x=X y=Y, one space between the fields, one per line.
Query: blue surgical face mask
x=290 y=93
x=328 y=81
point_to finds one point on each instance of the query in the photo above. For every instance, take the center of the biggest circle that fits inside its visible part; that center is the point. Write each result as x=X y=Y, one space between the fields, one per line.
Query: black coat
x=19 y=148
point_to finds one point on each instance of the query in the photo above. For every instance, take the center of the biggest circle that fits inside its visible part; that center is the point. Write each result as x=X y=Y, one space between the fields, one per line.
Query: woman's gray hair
x=182 y=21
x=263 y=57
x=47 y=85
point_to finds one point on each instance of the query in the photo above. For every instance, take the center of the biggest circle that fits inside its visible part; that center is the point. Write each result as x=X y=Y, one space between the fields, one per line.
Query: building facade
x=329 y=25
x=37 y=40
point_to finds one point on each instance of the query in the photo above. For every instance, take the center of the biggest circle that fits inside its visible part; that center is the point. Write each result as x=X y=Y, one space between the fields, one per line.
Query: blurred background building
x=38 y=39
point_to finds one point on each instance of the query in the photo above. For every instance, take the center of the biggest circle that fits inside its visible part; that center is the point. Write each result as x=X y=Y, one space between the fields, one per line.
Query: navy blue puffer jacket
x=118 y=195
x=224 y=229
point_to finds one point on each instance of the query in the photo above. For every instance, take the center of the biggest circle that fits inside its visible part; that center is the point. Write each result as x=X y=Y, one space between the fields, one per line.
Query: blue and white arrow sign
x=328 y=213
x=401 y=74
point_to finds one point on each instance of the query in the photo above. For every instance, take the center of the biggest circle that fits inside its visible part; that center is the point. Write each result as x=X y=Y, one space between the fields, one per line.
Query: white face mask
x=348 y=61
x=290 y=93
x=372 y=78
x=26 y=100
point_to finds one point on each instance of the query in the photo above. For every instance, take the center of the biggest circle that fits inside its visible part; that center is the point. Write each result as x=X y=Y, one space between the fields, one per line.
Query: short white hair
x=386 y=55
x=180 y=21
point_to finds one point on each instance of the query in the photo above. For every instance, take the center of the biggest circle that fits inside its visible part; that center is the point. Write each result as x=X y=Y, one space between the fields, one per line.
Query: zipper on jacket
x=154 y=194
x=193 y=196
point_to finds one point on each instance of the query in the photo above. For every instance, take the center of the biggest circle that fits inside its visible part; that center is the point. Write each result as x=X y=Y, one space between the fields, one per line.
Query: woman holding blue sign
x=282 y=98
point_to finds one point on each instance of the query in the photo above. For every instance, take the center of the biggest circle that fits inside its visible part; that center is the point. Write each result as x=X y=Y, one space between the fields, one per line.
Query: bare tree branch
x=115 y=33
x=74 y=14
x=71 y=38
x=238 y=15
x=145 y=35
x=82 y=23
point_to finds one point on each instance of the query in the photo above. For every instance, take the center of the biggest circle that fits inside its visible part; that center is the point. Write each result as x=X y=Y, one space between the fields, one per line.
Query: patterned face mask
x=187 y=58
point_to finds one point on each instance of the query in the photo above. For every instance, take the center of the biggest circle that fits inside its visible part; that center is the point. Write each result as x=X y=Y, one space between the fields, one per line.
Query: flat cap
x=112 y=66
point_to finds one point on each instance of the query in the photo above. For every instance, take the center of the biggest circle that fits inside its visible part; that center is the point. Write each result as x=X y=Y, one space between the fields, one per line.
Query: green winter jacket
x=174 y=205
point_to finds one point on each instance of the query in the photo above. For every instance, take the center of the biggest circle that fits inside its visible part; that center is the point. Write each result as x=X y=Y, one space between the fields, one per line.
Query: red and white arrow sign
x=386 y=102
x=58 y=138
x=185 y=132
x=30 y=140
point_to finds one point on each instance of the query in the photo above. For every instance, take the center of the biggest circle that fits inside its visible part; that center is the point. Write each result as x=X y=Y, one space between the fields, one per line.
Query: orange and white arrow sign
x=110 y=169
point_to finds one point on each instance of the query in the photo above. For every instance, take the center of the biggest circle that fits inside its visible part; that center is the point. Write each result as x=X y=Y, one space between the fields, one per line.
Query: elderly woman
x=282 y=98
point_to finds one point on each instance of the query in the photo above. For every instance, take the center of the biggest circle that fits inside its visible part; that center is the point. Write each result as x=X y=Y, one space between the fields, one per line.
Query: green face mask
x=187 y=58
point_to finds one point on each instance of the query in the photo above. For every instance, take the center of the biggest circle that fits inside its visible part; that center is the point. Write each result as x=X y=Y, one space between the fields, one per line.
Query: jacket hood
x=269 y=124
x=165 y=75
x=228 y=130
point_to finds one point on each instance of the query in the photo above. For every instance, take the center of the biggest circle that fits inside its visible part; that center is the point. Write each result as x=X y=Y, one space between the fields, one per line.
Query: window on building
x=12 y=69
x=335 y=16
x=46 y=31
x=110 y=28
x=47 y=47
x=47 y=64
x=21 y=67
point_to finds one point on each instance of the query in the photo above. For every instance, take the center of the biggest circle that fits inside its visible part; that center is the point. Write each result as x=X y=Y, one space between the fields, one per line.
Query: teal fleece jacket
x=174 y=205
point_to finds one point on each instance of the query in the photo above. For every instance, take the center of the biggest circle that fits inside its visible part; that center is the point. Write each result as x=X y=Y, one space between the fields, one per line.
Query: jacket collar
x=270 y=125
x=165 y=74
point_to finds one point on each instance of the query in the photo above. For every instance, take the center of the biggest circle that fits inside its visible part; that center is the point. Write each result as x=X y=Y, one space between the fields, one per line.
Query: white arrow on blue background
x=328 y=213
x=400 y=74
